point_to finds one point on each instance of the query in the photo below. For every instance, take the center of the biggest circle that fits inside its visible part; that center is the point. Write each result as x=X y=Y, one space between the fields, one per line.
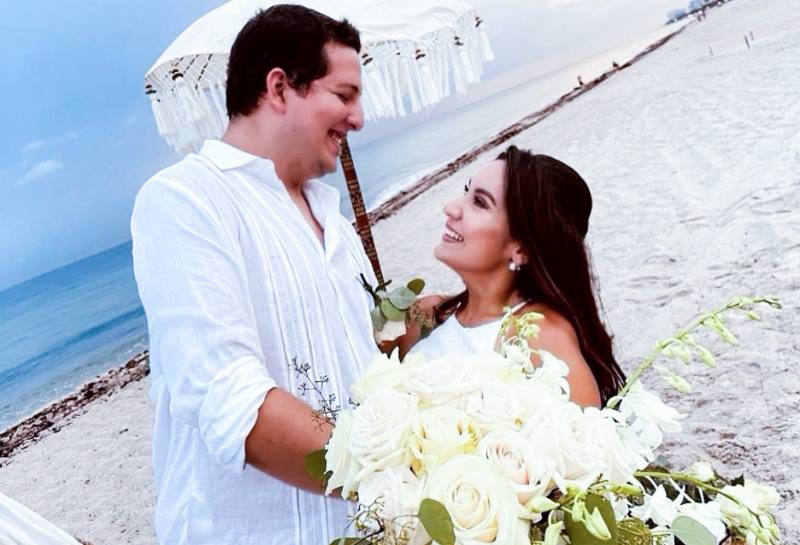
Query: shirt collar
x=225 y=156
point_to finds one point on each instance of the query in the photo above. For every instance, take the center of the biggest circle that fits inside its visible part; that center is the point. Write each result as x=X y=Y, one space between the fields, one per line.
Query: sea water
x=63 y=328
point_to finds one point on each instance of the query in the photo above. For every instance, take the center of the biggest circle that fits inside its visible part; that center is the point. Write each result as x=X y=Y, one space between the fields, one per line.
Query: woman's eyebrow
x=487 y=195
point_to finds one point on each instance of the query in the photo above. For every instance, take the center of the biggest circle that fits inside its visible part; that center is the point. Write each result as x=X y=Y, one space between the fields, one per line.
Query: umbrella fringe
x=188 y=95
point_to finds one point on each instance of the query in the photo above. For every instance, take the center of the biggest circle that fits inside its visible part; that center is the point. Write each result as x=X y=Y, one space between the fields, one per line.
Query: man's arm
x=191 y=282
x=285 y=431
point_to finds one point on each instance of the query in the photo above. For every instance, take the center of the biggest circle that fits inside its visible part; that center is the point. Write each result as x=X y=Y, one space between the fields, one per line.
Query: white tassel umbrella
x=414 y=53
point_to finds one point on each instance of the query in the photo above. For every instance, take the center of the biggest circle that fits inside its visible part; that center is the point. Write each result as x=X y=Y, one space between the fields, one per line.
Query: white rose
x=338 y=458
x=380 y=429
x=395 y=494
x=537 y=400
x=495 y=406
x=385 y=372
x=529 y=471
x=446 y=380
x=566 y=437
x=390 y=331
x=480 y=501
x=439 y=433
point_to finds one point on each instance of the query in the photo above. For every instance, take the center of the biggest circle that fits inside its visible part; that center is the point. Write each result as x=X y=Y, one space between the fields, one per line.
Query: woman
x=516 y=239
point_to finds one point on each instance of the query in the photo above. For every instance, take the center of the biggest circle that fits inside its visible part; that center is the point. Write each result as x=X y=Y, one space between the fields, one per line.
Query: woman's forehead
x=491 y=177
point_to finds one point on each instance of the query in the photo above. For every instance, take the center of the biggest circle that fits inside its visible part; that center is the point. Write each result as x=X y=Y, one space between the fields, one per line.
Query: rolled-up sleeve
x=193 y=286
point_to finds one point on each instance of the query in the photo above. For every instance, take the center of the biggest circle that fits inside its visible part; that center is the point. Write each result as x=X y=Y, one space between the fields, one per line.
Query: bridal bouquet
x=488 y=449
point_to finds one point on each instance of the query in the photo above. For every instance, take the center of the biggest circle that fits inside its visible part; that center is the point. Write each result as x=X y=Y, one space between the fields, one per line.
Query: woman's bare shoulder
x=554 y=328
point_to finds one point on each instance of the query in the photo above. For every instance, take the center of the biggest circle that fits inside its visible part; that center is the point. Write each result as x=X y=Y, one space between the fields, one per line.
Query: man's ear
x=276 y=86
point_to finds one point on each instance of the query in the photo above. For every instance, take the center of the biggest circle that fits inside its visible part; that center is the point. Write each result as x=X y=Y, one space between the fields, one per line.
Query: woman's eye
x=479 y=202
x=343 y=98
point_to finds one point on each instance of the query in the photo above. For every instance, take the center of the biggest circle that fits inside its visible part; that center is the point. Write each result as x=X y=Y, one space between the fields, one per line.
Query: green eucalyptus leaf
x=691 y=532
x=315 y=465
x=416 y=285
x=347 y=541
x=577 y=531
x=437 y=522
x=402 y=298
x=391 y=312
x=378 y=319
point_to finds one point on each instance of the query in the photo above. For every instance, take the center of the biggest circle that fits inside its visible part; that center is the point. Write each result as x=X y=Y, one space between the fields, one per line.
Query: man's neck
x=249 y=135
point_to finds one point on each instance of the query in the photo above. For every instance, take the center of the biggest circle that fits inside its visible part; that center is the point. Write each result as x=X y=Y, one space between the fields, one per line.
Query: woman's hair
x=548 y=206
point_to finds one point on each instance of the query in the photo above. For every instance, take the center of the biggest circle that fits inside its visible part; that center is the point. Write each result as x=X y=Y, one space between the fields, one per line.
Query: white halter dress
x=450 y=337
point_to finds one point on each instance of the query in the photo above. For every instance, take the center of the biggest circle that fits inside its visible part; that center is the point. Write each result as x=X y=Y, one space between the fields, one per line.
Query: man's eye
x=343 y=98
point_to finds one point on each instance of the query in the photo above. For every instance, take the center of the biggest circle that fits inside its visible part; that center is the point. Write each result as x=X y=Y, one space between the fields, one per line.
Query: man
x=244 y=263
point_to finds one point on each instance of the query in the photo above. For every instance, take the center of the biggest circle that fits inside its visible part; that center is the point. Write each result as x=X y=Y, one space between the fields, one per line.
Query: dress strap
x=519 y=305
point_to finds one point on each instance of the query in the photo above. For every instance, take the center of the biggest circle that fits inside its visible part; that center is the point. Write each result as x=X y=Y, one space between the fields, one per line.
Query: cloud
x=72 y=135
x=33 y=145
x=40 y=170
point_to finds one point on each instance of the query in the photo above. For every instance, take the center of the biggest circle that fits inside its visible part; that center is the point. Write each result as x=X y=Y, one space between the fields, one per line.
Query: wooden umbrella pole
x=362 y=220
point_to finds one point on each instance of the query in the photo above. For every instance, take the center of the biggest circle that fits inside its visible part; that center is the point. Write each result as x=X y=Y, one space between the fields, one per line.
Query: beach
x=691 y=154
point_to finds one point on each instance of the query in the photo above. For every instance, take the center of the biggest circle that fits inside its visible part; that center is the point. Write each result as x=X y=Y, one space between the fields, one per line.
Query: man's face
x=319 y=119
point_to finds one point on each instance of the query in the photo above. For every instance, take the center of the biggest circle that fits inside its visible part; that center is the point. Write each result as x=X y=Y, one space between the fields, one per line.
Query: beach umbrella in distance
x=413 y=55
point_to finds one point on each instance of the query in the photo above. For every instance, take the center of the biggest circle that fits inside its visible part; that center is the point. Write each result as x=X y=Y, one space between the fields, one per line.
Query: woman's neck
x=486 y=300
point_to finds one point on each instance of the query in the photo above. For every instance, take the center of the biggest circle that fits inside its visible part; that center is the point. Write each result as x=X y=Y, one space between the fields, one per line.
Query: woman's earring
x=513 y=267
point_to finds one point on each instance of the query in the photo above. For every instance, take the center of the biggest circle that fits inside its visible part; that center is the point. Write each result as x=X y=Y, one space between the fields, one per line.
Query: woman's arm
x=557 y=336
x=425 y=307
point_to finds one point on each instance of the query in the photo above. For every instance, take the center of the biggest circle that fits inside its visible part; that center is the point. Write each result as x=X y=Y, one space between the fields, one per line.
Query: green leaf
x=378 y=319
x=738 y=481
x=577 y=532
x=691 y=532
x=315 y=465
x=391 y=312
x=402 y=298
x=348 y=541
x=437 y=522
x=416 y=285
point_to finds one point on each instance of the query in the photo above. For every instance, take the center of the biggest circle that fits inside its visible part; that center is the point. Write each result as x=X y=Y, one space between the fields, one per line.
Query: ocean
x=61 y=329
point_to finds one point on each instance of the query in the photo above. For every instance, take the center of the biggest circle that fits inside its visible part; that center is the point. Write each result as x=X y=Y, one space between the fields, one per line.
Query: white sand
x=692 y=160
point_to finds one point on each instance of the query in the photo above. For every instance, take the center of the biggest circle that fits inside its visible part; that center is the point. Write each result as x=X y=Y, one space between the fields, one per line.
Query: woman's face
x=476 y=238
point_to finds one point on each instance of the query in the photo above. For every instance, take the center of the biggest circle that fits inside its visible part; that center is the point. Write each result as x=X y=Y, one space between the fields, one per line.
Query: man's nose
x=356 y=116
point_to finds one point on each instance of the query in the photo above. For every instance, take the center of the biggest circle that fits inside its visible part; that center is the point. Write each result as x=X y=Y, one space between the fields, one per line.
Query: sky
x=79 y=138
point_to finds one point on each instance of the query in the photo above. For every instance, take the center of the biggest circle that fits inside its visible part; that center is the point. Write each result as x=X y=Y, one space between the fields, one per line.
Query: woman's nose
x=452 y=209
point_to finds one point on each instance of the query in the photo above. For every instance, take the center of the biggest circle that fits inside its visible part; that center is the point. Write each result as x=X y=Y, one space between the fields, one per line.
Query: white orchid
x=658 y=508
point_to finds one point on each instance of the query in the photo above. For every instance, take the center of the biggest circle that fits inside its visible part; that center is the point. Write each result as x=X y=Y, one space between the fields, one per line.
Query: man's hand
x=286 y=430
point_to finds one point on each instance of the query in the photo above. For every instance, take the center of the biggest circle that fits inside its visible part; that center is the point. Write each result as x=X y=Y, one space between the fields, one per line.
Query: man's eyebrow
x=355 y=88
x=486 y=194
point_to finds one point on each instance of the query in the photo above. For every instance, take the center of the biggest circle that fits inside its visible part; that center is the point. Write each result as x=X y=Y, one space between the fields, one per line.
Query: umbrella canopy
x=413 y=55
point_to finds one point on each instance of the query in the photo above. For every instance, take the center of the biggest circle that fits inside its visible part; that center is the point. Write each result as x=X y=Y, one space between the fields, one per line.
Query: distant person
x=517 y=239
x=244 y=265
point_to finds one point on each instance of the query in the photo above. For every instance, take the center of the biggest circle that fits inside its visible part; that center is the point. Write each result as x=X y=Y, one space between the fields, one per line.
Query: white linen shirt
x=235 y=285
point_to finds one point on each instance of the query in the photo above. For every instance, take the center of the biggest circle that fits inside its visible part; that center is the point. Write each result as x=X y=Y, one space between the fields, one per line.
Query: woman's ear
x=519 y=256
x=276 y=85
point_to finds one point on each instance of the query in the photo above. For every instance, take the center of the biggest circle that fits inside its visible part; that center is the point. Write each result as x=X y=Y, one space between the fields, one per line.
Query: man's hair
x=284 y=36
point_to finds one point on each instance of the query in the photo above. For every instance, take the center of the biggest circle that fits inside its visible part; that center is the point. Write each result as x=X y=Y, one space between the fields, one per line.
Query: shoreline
x=53 y=417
